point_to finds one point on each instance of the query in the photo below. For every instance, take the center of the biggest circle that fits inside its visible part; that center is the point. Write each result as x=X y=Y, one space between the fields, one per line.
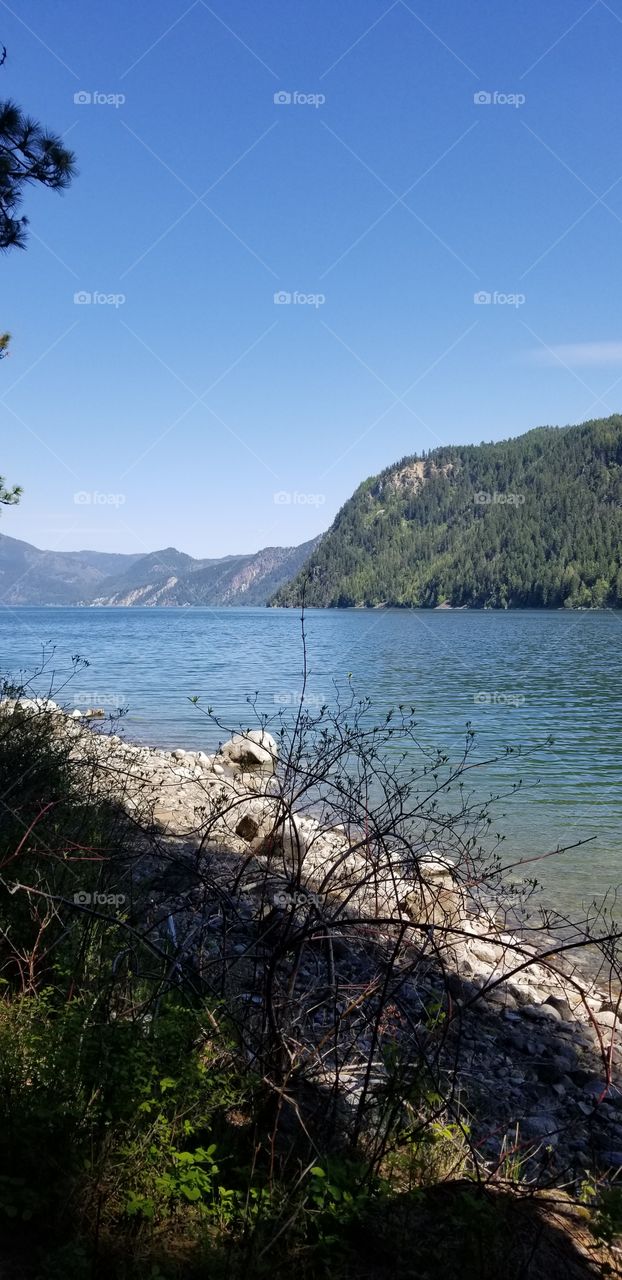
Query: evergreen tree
x=531 y=522
x=28 y=154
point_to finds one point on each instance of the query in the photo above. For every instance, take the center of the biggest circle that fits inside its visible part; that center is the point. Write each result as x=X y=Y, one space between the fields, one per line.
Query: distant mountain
x=171 y=578
x=141 y=581
x=535 y=521
x=29 y=576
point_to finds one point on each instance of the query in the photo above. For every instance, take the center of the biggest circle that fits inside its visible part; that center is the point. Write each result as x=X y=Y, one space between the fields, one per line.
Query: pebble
x=542 y=1012
x=612 y=1158
x=596 y=1089
x=540 y=1126
x=553 y=1071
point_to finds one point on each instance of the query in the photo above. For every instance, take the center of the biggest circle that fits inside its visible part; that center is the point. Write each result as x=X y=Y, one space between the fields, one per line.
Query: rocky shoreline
x=527 y=1046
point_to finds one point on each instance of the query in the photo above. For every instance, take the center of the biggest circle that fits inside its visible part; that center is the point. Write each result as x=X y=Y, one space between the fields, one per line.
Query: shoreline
x=518 y=1015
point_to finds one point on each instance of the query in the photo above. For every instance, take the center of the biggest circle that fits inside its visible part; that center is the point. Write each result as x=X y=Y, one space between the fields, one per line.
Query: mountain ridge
x=33 y=576
x=534 y=521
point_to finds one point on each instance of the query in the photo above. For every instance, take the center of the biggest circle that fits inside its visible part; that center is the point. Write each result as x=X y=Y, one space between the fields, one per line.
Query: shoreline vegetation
x=251 y=1020
x=444 y=607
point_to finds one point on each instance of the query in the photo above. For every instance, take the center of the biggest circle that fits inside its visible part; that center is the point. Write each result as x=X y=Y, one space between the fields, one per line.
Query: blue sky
x=381 y=199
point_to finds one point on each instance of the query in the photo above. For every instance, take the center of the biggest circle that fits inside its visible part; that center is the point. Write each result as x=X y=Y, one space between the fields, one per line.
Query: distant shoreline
x=324 y=608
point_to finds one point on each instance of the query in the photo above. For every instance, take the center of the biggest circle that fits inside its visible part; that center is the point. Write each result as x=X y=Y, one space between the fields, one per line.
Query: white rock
x=255 y=749
x=608 y=1020
x=435 y=864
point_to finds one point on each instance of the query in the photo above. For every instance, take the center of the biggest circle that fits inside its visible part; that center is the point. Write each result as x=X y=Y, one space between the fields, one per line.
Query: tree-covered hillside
x=531 y=522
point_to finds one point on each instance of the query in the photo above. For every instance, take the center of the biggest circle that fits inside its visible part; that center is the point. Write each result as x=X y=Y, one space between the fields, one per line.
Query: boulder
x=247 y=828
x=609 y=1007
x=256 y=749
x=561 y=1004
x=432 y=864
x=541 y=1012
x=254 y=820
x=607 y=1019
x=500 y=996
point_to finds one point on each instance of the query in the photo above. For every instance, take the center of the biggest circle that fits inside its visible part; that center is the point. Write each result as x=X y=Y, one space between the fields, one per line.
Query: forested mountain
x=535 y=521
x=29 y=576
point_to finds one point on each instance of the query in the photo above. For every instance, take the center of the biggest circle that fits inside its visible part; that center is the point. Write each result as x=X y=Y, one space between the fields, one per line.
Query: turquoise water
x=518 y=677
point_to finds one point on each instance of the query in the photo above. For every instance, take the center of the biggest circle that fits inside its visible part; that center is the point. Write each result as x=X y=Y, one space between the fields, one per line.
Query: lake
x=517 y=676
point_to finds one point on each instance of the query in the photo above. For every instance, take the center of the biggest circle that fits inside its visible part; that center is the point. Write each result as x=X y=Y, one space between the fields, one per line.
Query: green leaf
x=191 y=1193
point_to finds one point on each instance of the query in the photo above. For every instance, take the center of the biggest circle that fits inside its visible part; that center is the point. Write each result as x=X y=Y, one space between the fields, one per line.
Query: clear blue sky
x=399 y=197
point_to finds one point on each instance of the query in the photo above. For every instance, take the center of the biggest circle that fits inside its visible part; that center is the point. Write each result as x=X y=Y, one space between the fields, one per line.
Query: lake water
x=518 y=677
